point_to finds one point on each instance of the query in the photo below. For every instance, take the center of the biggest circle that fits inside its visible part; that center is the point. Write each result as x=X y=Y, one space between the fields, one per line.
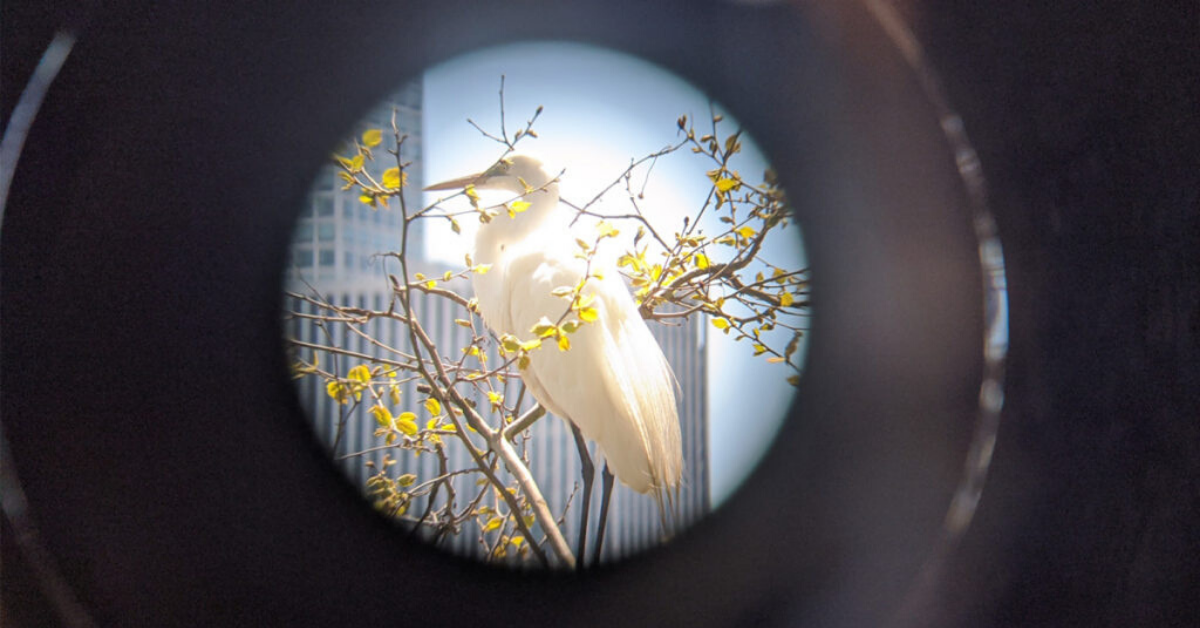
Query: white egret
x=613 y=384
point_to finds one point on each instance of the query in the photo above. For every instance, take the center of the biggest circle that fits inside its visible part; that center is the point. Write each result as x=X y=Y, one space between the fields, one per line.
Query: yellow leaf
x=544 y=328
x=462 y=322
x=356 y=163
x=775 y=360
x=393 y=179
x=337 y=392
x=720 y=323
x=382 y=415
x=360 y=373
x=518 y=206
x=701 y=261
x=786 y=299
x=366 y=199
x=433 y=406
x=372 y=138
x=531 y=345
x=431 y=284
x=495 y=398
x=482 y=269
x=606 y=229
x=517 y=540
x=496 y=522
x=564 y=343
x=794 y=380
x=746 y=231
x=406 y=480
x=395 y=394
x=759 y=349
x=589 y=314
x=724 y=185
x=409 y=427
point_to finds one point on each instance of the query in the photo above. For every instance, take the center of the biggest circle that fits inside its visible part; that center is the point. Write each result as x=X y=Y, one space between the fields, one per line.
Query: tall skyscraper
x=335 y=259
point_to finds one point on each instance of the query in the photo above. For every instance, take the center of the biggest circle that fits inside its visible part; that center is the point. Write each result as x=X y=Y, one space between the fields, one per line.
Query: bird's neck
x=497 y=238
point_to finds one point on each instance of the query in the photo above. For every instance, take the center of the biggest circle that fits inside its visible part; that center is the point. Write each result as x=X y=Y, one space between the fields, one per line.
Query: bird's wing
x=614 y=382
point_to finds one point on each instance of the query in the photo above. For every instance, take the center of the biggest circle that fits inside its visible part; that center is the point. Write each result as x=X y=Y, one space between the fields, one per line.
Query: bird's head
x=518 y=174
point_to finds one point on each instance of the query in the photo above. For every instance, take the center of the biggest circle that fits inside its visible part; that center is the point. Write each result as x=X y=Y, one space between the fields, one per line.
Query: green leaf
x=570 y=326
x=372 y=138
x=406 y=480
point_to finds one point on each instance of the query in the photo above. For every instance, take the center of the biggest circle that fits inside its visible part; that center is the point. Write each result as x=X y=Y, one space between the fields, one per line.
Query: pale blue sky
x=602 y=109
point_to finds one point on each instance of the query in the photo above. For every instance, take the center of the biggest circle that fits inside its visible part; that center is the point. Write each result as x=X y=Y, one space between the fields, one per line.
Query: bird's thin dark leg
x=606 y=484
x=589 y=473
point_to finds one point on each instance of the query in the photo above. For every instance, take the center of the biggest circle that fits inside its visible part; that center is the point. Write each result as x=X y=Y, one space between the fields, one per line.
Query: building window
x=326 y=231
x=303 y=257
x=349 y=260
x=324 y=204
x=326 y=257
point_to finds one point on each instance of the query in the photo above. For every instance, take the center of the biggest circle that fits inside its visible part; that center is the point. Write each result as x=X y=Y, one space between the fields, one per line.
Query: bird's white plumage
x=614 y=383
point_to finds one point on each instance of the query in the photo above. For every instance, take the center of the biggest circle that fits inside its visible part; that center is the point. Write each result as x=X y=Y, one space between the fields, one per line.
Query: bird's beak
x=456 y=184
